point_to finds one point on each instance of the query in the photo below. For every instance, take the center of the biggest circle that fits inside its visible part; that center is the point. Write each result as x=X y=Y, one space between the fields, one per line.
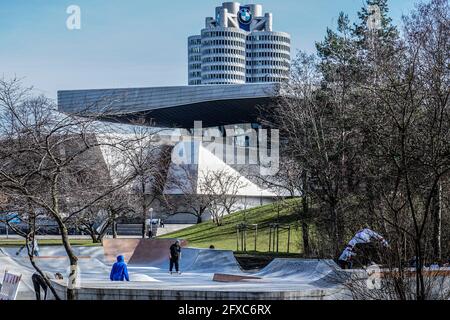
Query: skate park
x=298 y=152
x=206 y=274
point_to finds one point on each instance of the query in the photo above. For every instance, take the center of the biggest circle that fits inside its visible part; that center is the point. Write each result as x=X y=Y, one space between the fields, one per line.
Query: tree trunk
x=370 y=202
x=92 y=234
x=420 y=285
x=33 y=263
x=114 y=224
x=71 y=283
x=199 y=219
x=144 y=210
x=336 y=236
x=144 y=228
x=437 y=223
x=305 y=214
x=103 y=231
x=114 y=229
x=144 y=223
x=305 y=235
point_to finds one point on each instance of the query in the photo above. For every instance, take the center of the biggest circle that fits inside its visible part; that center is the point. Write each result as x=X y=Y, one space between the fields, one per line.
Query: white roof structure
x=198 y=162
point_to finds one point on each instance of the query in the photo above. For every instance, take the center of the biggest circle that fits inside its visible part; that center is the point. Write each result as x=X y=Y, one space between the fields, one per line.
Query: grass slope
x=224 y=237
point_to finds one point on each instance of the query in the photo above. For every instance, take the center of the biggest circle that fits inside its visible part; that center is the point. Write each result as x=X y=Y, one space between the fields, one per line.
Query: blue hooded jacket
x=119 y=271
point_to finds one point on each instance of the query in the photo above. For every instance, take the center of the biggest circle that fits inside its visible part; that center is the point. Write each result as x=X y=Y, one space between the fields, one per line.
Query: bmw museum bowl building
x=236 y=65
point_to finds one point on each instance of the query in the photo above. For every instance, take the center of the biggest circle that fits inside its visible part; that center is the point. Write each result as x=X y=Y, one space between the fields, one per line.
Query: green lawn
x=224 y=237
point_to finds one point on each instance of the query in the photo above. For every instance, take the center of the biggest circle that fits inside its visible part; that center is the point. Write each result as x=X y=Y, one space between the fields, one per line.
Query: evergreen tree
x=375 y=25
x=338 y=52
x=376 y=38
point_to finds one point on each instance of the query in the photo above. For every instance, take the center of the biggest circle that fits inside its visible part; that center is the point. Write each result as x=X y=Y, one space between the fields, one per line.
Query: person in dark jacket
x=38 y=283
x=119 y=271
x=174 y=256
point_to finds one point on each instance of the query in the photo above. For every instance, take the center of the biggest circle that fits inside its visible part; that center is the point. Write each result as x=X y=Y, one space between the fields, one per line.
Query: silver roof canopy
x=172 y=106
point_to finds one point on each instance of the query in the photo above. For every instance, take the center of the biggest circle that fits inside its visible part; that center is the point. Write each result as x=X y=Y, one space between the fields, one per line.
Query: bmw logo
x=245 y=15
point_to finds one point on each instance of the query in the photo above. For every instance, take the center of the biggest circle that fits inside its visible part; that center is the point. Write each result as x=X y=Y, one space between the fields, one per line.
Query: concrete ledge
x=93 y=292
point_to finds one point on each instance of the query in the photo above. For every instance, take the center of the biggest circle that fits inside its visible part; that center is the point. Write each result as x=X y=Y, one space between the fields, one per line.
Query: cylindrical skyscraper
x=194 y=60
x=223 y=56
x=268 y=56
x=239 y=46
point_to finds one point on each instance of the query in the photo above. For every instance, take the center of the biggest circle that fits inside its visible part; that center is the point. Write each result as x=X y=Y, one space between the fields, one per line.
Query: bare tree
x=318 y=128
x=42 y=153
x=150 y=162
x=291 y=182
x=223 y=188
x=368 y=122
x=185 y=180
x=408 y=126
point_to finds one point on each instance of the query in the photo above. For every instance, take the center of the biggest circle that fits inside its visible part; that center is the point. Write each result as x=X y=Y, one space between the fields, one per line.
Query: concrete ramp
x=213 y=260
x=45 y=251
x=139 y=252
x=193 y=260
x=307 y=269
x=188 y=257
x=114 y=247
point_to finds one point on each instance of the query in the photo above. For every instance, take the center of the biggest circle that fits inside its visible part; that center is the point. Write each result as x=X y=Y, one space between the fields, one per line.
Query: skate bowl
x=148 y=266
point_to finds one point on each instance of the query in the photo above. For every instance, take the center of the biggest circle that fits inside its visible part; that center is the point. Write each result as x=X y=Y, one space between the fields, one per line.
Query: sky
x=136 y=43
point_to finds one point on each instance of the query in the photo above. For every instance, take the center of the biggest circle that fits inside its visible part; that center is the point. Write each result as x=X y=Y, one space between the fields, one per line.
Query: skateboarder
x=175 y=256
x=119 y=271
x=364 y=236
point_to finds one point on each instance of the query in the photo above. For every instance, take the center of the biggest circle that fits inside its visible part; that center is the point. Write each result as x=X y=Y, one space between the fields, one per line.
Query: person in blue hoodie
x=119 y=271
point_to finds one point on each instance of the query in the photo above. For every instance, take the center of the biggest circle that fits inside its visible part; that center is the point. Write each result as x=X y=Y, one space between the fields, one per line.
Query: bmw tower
x=238 y=46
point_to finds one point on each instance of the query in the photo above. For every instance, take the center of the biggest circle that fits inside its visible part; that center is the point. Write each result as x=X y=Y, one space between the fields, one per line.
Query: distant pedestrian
x=119 y=271
x=175 y=256
x=150 y=233
x=161 y=223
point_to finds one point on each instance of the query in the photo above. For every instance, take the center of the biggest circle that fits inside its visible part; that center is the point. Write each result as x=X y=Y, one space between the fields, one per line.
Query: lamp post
x=151 y=222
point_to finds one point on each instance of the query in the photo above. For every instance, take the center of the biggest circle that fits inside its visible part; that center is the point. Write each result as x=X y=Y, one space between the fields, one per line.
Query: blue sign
x=245 y=18
x=12 y=218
